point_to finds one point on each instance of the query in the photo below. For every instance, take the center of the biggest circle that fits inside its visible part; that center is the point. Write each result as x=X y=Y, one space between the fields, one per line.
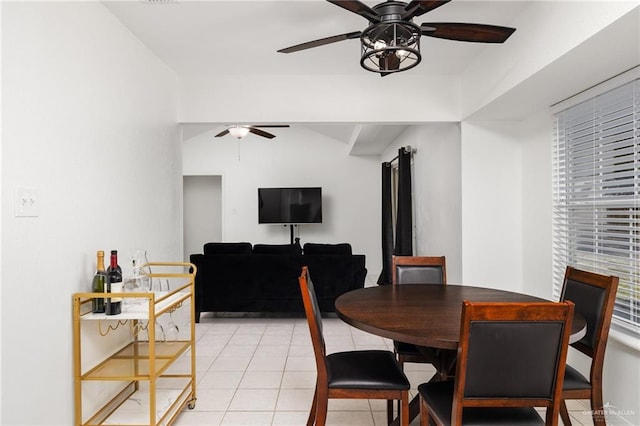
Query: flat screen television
x=290 y=205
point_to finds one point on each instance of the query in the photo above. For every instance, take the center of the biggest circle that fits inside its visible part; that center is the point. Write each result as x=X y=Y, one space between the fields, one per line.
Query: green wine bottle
x=99 y=279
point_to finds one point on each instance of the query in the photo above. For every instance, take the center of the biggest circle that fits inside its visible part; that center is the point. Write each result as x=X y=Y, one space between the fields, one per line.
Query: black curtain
x=404 y=217
x=387 y=225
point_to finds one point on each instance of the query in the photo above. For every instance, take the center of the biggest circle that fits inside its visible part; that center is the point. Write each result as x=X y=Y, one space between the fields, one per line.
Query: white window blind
x=596 y=178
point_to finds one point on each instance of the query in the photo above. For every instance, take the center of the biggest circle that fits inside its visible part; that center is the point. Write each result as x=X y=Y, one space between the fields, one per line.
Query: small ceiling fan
x=391 y=42
x=240 y=131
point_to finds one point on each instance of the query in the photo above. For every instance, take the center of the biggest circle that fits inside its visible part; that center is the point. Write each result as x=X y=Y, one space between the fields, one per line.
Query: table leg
x=445 y=365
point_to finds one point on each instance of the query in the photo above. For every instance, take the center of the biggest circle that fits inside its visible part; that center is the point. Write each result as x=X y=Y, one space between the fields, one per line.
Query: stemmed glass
x=172 y=331
x=143 y=330
x=162 y=337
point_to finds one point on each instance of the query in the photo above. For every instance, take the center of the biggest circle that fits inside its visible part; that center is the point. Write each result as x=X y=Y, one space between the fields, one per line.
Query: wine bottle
x=99 y=279
x=114 y=285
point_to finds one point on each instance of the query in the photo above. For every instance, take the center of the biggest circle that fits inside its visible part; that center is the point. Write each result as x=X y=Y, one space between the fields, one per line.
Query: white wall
x=547 y=32
x=1 y=216
x=536 y=141
x=317 y=98
x=491 y=205
x=202 y=201
x=298 y=156
x=436 y=191
x=89 y=119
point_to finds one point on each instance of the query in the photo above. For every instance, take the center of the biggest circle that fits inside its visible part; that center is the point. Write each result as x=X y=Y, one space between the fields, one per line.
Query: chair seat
x=574 y=380
x=366 y=369
x=439 y=396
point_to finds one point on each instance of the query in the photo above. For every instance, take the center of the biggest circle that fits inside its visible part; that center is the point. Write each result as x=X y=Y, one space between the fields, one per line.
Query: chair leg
x=424 y=413
x=404 y=413
x=389 y=411
x=322 y=402
x=564 y=414
x=401 y=364
x=312 y=414
x=597 y=408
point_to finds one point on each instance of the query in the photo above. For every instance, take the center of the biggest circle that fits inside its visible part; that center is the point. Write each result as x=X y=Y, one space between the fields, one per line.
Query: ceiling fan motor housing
x=390 y=11
x=391 y=44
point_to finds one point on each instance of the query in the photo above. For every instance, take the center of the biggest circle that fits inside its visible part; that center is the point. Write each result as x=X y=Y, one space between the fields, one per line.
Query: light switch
x=26 y=202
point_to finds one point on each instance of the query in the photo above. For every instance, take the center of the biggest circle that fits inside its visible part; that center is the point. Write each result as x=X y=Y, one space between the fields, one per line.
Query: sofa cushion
x=314 y=249
x=227 y=248
x=290 y=249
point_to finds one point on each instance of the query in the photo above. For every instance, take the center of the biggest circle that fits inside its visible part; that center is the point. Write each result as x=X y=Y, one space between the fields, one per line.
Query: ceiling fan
x=240 y=131
x=391 y=42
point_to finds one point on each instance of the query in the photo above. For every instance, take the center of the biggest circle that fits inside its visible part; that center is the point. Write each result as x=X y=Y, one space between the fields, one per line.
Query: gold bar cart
x=128 y=375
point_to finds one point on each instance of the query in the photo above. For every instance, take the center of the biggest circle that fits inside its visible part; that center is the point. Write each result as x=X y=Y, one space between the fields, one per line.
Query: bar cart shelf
x=136 y=384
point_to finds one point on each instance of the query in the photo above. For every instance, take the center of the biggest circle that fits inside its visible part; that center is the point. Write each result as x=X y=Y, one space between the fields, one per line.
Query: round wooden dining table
x=425 y=315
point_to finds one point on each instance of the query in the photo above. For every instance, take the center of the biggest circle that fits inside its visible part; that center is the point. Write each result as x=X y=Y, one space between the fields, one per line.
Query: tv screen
x=290 y=205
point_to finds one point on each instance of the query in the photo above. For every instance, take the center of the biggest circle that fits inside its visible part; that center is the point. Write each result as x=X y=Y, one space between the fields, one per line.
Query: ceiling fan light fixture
x=390 y=46
x=379 y=45
x=239 y=131
x=401 y=53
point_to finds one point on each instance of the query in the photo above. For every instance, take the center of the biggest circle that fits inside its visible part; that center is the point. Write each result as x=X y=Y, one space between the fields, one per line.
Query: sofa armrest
x=334 y=275
x=359 y=270
x=198 y=260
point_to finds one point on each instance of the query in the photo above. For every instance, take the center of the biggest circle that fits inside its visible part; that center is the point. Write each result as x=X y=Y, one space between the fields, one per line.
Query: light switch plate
x=26 y=202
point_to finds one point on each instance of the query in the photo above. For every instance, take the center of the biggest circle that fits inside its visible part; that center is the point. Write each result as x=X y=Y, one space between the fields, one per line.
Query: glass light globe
x=239 y=131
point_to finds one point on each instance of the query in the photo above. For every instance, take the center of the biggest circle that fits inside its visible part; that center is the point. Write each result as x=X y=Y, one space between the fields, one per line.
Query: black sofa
x=239 y=277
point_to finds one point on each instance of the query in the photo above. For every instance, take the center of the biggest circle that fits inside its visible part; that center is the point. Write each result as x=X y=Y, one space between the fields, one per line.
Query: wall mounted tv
x=290 y=205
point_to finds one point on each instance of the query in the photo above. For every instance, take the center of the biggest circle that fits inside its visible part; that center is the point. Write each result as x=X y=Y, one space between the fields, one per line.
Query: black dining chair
x=511 y=358
x=362 y=374
x=594 y=296
x=417 y=270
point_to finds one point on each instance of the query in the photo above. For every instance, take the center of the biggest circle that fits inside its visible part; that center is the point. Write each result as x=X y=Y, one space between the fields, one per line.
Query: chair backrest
x=418 y=270
x=594 y=296
x=314 y=319
x=512 y=354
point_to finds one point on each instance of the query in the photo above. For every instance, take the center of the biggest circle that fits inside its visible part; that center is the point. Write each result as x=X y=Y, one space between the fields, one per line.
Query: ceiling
x=238 y=37
x=209 y=37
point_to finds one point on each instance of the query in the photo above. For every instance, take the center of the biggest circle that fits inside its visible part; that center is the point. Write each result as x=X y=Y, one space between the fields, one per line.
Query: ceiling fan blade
x=261 y=133
x=467 y=32
x=272 y=125
x=222 y=133
x=358 y=8
x=320 y=42
x=417 y=8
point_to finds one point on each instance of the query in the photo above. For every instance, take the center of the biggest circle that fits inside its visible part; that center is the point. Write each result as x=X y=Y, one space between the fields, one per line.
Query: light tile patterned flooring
x=261 y=371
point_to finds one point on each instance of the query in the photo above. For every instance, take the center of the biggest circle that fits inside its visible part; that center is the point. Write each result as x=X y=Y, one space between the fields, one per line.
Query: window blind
x=596 y=187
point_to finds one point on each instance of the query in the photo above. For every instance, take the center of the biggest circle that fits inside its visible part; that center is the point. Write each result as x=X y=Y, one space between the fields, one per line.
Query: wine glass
x=160 y=334
x=172 y=332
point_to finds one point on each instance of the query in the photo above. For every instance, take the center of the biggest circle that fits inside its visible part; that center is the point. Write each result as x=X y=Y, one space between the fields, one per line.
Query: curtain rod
x=407 y=150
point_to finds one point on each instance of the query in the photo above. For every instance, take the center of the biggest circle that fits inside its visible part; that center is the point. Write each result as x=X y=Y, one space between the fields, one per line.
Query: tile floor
x=261 y=371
